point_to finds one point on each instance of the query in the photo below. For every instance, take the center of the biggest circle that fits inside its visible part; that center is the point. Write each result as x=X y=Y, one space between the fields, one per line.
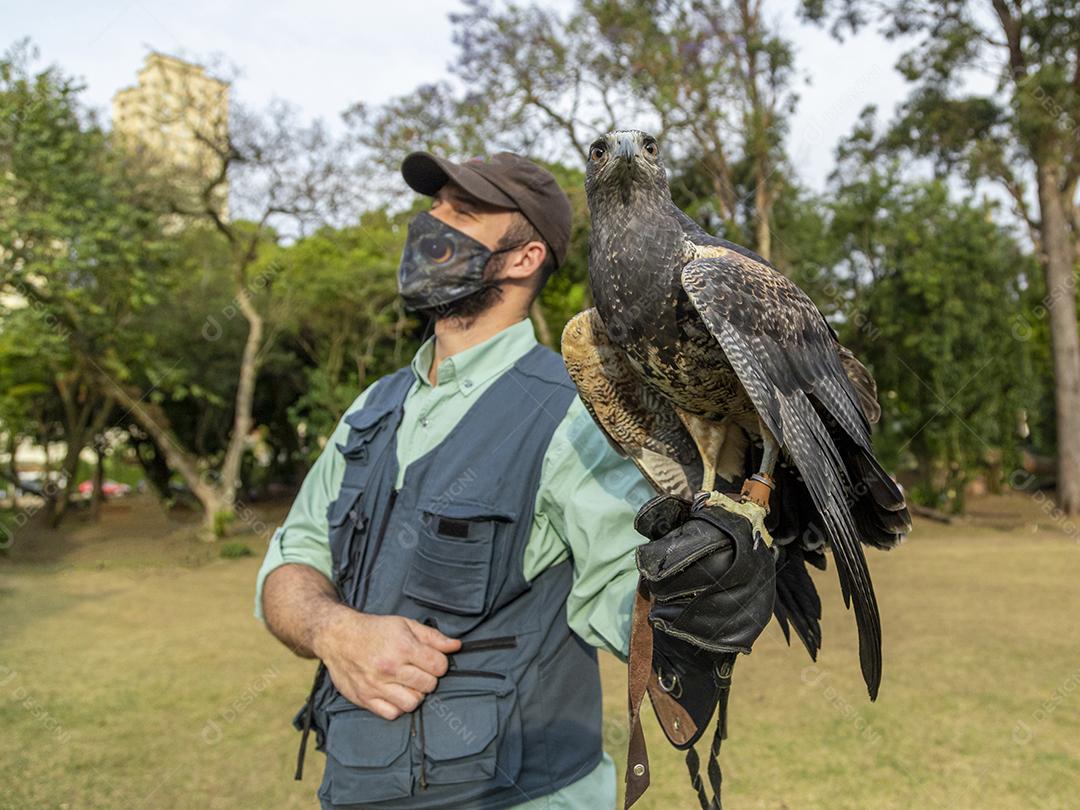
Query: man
x=466 y=542
x=467 y=498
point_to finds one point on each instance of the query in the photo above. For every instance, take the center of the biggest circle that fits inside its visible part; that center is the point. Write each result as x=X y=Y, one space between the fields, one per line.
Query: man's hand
x=386 y=664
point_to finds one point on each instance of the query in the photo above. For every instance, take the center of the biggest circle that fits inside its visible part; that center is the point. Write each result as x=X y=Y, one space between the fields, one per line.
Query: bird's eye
x=437 y=249
x=597 y=152
x=652 y=148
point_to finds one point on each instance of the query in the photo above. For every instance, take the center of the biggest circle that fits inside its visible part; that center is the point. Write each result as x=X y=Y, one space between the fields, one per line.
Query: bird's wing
x=786 y=359
x=640 y=424
x=863 y=382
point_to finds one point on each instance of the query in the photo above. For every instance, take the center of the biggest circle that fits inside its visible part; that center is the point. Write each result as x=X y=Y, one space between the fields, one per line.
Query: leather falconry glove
x=710 y=576
x=709 y=571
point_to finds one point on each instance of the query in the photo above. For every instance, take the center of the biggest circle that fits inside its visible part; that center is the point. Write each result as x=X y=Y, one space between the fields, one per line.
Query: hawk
x=716 y=374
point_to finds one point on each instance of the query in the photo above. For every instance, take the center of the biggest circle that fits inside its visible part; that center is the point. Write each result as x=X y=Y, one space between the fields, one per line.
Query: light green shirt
x=585 y=507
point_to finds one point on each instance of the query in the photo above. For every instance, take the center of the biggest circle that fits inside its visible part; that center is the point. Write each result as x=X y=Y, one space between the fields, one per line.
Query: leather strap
x=676 y=721
x=639 y=666
x=309 y=712
x=758 y=488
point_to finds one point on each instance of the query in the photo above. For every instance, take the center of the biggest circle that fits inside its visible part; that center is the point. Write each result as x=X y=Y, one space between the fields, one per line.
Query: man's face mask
x=441 y=264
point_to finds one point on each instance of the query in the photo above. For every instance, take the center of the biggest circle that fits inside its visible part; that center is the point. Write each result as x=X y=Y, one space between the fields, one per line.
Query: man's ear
x=527 y=260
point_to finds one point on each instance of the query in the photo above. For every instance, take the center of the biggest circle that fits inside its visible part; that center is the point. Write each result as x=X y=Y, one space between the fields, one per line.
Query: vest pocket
x=367 y=758
x=466 y=734
x=364 y=427
x=471 y=736
x=344 y=520
x=342 y=507
x=451 y=566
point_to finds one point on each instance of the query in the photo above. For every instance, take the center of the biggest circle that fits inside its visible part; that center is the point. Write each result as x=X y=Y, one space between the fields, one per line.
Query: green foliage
x=940 y=303
x=235 y=550
x=223 y=519
x=926 y=293
x=32 y=352
x=336 y=308
x=75 y=240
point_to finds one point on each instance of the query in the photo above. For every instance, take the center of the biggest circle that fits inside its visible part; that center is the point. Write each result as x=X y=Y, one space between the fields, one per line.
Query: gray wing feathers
x=782 y=356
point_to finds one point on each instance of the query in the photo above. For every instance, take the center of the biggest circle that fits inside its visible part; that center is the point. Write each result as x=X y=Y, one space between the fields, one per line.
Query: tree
x=284 y=176
x=77 y=257
x=336 y=304
x=1024 y=138
x=711 y=78
x=925 y=291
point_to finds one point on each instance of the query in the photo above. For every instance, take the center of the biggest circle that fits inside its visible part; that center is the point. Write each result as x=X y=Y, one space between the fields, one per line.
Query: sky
x=324 y=55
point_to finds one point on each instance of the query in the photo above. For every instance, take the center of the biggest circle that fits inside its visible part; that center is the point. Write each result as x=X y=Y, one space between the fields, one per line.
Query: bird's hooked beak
x=625 y=152
x=623 y=171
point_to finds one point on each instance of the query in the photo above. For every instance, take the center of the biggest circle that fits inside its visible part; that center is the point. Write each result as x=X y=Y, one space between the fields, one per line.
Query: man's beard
x=465 y=311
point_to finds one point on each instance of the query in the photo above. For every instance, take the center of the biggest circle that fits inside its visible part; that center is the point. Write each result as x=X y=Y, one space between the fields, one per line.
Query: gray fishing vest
x=518 y=714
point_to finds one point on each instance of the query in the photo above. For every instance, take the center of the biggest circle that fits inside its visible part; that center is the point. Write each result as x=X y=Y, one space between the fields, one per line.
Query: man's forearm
x=298 y=604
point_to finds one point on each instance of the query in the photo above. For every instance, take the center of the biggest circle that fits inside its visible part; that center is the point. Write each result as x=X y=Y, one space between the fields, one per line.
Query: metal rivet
x=639 y=770
x=676 y=724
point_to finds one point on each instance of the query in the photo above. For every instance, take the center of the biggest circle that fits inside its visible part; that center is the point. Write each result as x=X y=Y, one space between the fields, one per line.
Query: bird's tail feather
x=876 y=503
x=878 y=506
x=824 y=471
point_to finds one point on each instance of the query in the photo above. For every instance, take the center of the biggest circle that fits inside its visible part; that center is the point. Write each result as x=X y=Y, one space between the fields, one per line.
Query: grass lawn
x=133 y=675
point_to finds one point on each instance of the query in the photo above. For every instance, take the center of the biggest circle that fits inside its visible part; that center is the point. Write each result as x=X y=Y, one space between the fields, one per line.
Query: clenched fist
x=385 y=664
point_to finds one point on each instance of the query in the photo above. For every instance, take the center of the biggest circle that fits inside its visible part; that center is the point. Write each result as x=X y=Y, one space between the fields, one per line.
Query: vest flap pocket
x=457 y=726
x=364 y=426
x=367 y=757
x=364 y=419
x=451 y=566
x=465 y=509
x=362 y=739
x=342 y=506
x=471 y=736
x=454 y=587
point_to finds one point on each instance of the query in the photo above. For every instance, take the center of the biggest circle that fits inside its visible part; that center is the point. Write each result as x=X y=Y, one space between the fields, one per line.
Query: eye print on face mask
x=437 y=249
x=441 y=264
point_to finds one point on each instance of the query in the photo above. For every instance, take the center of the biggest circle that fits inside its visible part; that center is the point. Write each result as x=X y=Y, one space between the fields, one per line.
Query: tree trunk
x=154 y=422
x=1065 y=342
x=97 y=495
x=761 y=208
x=13 y=468
x=155 y=468
x=245 y=398
x=70 y=467
x=78 y=406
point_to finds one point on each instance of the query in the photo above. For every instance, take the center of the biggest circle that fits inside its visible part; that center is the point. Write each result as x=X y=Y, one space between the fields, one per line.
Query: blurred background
x=200 y=222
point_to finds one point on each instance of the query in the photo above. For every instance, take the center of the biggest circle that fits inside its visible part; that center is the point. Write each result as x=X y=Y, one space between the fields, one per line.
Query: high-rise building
x=177 y=117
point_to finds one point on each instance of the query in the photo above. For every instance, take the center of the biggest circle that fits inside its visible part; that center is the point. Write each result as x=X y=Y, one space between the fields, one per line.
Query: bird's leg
x=759 y=486
x=709 y=437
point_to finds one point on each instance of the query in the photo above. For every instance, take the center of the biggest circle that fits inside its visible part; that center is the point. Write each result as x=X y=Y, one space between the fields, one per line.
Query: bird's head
x=625 y=163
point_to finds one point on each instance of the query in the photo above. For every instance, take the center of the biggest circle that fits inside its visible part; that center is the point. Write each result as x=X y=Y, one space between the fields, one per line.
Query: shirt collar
x=471 y=368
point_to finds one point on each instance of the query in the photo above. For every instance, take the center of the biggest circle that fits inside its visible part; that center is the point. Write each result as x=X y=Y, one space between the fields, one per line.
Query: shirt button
x=424 y=421
x=466 y=383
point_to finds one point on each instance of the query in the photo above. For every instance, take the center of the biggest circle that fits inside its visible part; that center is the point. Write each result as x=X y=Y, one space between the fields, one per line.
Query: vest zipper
x=478 y=673
x=493 y=643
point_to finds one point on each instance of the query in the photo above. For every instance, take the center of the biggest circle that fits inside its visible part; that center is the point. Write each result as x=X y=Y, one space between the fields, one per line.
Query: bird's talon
x=752 y=511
